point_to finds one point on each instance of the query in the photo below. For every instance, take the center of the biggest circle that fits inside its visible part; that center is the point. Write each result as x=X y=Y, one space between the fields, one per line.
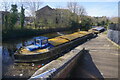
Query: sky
x=107 y=8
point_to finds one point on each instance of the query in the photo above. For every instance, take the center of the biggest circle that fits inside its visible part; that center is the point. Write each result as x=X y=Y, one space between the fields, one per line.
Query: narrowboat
x=43 y=48
x=97 y=30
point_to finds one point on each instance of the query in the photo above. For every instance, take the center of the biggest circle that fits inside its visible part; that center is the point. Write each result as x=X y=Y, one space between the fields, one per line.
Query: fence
x=114 y=33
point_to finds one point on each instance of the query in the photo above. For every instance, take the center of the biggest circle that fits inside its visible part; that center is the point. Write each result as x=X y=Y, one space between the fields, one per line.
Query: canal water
x=10 y=69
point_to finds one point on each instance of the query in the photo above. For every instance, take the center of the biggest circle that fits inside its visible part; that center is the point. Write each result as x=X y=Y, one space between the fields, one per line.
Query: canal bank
x=61 y=67
x=23 y=33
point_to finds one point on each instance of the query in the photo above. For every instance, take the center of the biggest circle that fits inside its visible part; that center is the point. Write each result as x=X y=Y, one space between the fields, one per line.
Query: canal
x=10 y=69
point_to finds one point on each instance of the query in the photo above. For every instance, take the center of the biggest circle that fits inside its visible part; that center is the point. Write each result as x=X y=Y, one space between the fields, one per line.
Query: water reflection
x=5 y=55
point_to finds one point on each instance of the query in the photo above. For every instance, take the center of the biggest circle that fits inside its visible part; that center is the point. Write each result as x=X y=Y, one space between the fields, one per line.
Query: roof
x=4 y=12
x=99 y=28
x=41 y=38
x=45 y=7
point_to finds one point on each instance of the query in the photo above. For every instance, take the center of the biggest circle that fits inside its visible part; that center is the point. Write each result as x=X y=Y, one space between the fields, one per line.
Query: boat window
x=44 y=41
x=95 y=29
x=37 y=42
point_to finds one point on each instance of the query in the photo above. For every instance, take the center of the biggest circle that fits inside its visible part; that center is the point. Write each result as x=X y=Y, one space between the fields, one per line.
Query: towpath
x=99 y=61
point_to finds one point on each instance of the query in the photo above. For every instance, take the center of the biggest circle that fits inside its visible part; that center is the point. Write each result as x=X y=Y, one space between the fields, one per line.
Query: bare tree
x=81 y=12
x=6 y=5
x=77 y=10
x=72 y=6
x=33 y=7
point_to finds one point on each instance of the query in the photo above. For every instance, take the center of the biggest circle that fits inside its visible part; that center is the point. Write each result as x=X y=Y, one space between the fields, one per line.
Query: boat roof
x=99 y=28
x=41 y=38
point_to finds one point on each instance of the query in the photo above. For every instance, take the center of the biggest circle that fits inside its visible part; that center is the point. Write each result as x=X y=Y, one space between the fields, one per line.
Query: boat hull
x=53 y=51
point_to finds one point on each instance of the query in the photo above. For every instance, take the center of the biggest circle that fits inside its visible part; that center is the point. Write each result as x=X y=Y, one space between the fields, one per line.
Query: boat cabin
x=39 y=43
x=40 y=40
x=100 y=29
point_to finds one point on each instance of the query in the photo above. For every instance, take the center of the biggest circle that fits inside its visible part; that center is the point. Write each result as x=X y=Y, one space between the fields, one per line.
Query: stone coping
x=58 y=63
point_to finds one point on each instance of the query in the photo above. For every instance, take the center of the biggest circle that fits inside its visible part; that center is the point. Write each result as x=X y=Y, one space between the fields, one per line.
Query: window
x=44 y=41
x=37 y=41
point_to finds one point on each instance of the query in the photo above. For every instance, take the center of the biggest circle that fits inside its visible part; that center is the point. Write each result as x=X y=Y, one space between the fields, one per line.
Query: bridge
x=96 y=58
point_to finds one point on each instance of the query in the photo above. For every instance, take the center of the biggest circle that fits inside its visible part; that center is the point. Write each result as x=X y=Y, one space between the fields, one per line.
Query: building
x=47 y=16
x=28 y=21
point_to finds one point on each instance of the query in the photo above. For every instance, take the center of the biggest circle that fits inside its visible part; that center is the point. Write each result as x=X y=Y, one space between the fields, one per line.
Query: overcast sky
x=107 y=8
